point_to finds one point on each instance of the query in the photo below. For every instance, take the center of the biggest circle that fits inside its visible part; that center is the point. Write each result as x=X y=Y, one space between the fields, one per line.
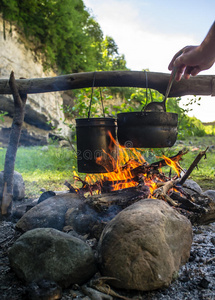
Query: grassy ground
x=43 y=167
x=49 y=167
x=204 y=174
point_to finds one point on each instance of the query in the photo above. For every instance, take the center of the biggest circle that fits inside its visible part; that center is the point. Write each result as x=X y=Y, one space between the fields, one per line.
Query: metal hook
x=146 y=89
x=91 y=100
x=102 y=101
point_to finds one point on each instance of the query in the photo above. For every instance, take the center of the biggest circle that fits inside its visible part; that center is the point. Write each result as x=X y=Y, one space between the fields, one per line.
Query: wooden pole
x=199 y=85
x=19 y=113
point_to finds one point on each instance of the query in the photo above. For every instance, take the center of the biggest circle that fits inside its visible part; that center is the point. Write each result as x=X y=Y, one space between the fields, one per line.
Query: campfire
x=139 y=246
x=126 y=220
x=131 y=170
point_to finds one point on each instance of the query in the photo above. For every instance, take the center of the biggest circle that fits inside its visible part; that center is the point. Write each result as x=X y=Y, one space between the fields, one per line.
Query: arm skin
x=195 y=59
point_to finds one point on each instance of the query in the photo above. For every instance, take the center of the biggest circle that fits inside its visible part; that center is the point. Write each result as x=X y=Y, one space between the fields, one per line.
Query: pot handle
x=91 y=99
x=146 y=76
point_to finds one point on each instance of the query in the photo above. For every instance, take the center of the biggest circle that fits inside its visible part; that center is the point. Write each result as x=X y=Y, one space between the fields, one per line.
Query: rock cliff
x=16 y=55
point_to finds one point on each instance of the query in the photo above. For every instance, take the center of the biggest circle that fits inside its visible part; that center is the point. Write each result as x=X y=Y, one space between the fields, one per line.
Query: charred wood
x=147 y=168
x=186 y=203
x=122 y=198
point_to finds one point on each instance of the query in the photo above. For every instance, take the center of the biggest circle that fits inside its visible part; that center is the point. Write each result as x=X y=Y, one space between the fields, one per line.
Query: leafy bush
x=187 y=126
x=210 y=129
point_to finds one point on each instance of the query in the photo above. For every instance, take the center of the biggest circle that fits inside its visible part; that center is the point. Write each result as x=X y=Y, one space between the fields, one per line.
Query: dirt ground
x=196 y=280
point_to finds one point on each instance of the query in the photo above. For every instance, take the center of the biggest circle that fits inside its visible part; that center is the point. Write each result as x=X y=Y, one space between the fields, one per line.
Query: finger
x=191 y=71
x=175 y=57
x=187 y=76
x=195 y=71
x=179 y=73
x=178 y=76
x=187 y=72
x=170 y=67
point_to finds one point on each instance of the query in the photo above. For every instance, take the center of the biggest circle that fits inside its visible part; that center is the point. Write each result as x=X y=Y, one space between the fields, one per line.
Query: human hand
x=192 y=60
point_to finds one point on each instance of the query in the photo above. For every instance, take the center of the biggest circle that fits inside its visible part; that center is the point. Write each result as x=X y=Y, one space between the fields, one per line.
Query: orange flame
x=127 y=160
x=122 y=176
x=172 y=164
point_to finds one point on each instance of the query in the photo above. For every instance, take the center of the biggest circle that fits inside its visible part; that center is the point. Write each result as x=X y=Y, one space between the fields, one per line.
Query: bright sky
x=150 y=32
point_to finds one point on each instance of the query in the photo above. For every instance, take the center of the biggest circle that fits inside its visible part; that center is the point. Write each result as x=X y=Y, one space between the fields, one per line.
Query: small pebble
x=204 y=283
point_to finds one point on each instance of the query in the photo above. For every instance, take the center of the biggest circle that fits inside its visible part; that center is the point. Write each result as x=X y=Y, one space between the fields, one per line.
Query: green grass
x=49 y=169
x=43 y=169
x=204 y=174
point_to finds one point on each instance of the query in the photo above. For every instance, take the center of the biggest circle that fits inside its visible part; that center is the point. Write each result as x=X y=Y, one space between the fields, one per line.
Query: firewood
x=144 y=169
x=125 y=197
x=101 y=286
x=185 y=203
x=193 y=165
x=106 y=186
x=161 y=192
x=95 y=294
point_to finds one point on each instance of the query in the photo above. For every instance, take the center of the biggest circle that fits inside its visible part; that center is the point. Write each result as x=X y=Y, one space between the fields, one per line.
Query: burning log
x=161 y=192
x=145 y=168
x=106 y=185
x=146 y=182
x=86 y=187
x=122 y=198
x=187 y=204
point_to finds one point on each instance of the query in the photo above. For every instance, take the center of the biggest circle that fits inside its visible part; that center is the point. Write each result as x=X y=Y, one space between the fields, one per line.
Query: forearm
x=208 y=44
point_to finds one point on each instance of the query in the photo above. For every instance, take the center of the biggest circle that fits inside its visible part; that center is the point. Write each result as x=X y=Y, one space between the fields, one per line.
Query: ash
x=196 y=279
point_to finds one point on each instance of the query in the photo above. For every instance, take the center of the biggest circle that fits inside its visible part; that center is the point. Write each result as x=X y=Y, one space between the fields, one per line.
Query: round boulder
x=144 y=246
x=46 y=253
x=211 y=194
x=192 y=187
x=18 y=185
x=49 y=213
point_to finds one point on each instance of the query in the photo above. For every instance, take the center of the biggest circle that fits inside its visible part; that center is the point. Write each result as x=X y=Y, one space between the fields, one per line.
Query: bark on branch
x=192 y=166
x=199 y=85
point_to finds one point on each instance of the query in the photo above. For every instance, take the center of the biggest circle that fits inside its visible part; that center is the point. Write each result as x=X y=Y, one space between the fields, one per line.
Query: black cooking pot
x=96 y=150
x=147 y=129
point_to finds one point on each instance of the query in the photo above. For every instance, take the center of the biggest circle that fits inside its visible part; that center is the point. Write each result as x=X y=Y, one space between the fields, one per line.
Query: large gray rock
x=209 y=201
x=46 y=253
x=211 y=194
x=192 y=187
x=81 y=219
x=144 y=246
x=49 y=213
x=18 y=185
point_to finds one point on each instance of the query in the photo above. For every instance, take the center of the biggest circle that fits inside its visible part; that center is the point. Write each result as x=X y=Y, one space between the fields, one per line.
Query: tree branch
x=19 y=113
x=199 y=85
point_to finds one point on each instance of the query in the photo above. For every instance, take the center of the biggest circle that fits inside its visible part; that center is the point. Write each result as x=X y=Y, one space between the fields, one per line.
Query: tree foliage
x=65 y=33
x=70 y=40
